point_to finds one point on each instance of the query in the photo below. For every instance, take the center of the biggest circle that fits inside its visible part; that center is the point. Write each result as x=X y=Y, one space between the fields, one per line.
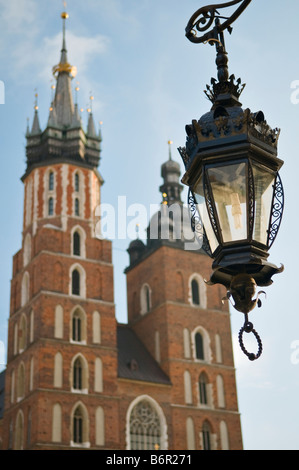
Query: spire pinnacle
x=169 y=144
x=35 y=126
x=91 y=131
x=64 y=72
x=63 y=65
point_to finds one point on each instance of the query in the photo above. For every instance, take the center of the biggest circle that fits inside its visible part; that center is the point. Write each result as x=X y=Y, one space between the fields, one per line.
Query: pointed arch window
x=77 y=207
x=203 y=389
x=206 y=436
x=76 y=244
x=80 y=431
x=51 y=181
x=75 y=282
x=145 y=299
x=78 y=426
x=199 y=346
x=195 y=292
x=145 y=427
x=78 y=374
x=77 y=182
x=78 y=326
x=51 y=206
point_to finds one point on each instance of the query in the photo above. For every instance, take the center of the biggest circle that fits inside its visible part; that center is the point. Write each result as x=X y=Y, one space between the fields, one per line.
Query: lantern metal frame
x=225 y=136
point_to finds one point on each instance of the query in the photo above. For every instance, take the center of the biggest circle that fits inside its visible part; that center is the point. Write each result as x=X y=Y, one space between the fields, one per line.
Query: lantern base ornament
x=260 y=270
x=242 y=290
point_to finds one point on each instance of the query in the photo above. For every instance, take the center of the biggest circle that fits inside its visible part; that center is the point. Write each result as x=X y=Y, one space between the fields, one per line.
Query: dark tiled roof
x=2 y=386
x=134 y=360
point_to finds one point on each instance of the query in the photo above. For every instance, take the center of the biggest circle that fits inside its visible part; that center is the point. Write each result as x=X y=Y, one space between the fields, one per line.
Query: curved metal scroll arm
x=204 y=18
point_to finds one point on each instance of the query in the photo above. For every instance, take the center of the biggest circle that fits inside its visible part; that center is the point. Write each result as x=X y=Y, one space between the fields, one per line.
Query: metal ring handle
x=248 y=328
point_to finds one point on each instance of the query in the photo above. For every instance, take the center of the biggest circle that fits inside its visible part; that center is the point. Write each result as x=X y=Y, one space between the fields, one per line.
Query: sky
x=147 y=80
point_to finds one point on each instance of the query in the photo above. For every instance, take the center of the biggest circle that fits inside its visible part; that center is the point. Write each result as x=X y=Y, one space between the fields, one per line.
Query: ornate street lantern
x=232 y=170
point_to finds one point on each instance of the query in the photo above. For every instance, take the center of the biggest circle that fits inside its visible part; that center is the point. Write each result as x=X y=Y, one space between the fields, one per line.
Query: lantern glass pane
x=202 y=209
x=263 y=192
x=229 y=191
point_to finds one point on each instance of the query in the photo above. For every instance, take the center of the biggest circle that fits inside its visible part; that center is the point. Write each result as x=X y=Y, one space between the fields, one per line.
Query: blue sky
x=148 y=82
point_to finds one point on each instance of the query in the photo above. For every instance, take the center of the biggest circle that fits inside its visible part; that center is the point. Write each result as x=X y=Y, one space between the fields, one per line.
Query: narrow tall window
x=51 y=181
x=203 y=393
x=206 y=436
x=77 y=375
x=77 y=182
x=23 y=334
x=148 y=299
x=77 y=328
x=195 y=292
x=51 y=206
x=199 y=346
x=78 y=426
x=75 y=282
x=76 y=244
x=145 y=299
x=77 y=207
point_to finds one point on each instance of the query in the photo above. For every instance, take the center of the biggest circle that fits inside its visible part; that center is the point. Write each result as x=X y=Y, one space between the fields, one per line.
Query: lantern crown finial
x=207 y=18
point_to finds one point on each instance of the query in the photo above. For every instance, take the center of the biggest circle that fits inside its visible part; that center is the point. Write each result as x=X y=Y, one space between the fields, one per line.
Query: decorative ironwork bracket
x=204 y=18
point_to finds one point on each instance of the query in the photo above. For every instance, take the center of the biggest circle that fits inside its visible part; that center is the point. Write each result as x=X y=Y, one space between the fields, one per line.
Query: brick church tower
x=75 y=378
x=184 y=325
x=62 y=327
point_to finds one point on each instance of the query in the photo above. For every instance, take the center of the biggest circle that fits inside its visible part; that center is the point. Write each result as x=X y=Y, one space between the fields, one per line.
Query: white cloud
x=40 y=57
x=17 y=15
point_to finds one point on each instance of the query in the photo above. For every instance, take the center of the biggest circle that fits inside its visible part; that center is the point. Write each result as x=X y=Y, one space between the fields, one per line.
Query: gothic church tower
x=62 y=361
x=74 y=377
x=184 y=325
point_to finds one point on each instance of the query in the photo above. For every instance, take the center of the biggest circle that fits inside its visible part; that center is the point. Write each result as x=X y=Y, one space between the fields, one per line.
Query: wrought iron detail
x=233 y=86
x=242 y=290
x=204 y=18
x=248 y=328
x=234 y=122
x=212 y=211
x=197 y=224
x=251 y=201
x=277 y=211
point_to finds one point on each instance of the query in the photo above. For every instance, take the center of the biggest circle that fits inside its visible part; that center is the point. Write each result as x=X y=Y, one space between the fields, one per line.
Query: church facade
x=75 y=377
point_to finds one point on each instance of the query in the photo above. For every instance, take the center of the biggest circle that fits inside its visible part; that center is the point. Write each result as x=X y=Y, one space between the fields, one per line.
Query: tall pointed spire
x=91 y=130
x=35 y=126
x=169 y=149
x=64 y=72
x=64 y=138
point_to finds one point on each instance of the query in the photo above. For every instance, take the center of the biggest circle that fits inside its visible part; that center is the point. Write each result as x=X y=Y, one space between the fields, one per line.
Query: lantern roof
x=227 y=124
